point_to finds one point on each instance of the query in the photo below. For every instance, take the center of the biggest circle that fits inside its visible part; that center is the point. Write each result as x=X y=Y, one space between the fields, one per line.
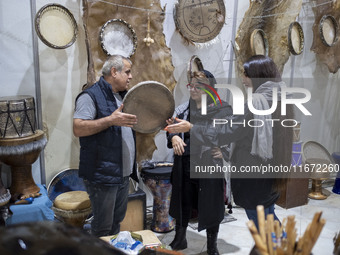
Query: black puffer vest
x=101 y=153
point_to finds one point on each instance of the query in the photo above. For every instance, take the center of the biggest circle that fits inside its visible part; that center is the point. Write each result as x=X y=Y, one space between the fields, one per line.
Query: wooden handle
x=260 y=245
x=261 y=220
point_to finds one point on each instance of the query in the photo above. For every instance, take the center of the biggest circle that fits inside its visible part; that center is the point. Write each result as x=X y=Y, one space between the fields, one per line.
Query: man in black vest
x=107 y=145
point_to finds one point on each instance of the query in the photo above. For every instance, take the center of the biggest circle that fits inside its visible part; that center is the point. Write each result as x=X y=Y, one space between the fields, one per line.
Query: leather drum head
x=259 y=42
x=56 y=26
x=295 y=38
x=194 y=65
x=152 y=103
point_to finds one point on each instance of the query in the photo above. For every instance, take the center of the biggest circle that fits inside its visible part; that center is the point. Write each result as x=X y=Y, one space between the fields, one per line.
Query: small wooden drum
x=17 y=116
x=72 y=207
x=158 y=181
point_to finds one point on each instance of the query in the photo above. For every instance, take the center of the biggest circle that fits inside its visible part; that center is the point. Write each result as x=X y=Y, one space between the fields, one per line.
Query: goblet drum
x=157 y=179
x=20 y=154
x=20 y=142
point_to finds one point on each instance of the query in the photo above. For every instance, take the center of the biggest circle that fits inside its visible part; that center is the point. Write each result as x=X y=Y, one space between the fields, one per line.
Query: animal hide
x=330 y=56
x=151 y=63
x=274 y=18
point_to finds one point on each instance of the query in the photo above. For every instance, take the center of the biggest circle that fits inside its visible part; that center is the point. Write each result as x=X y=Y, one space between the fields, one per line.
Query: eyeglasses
x=196 y=86
x=193 y=87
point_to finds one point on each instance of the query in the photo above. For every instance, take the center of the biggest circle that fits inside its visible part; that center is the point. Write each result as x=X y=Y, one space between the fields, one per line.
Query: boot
x=180 y=240
x=212 y=241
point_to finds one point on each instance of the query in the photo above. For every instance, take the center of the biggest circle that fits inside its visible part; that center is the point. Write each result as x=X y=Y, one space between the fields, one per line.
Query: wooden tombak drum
x=20 y=142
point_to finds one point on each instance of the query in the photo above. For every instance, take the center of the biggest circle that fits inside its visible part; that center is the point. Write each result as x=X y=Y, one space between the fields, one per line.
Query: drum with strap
x=72 y=207
x=156 y=176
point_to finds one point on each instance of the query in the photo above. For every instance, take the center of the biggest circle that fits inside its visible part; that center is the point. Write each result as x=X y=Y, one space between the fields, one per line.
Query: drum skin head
x=72 y=200
x=295 y=38
x=56 y=26
x=152 y=103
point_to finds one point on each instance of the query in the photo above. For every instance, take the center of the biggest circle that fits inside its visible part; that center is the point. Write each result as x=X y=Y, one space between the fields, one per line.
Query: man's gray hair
x=115 y=61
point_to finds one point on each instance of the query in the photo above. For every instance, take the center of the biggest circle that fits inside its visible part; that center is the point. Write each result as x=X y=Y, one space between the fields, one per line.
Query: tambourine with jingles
x=118 y=37
x=152 y=103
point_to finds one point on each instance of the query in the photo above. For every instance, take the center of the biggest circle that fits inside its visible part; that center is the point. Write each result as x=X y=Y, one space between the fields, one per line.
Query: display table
x=39 y=210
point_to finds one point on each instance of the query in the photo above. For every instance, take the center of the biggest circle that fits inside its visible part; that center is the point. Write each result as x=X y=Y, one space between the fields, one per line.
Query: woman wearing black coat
x=270 y=145
x=196 y=192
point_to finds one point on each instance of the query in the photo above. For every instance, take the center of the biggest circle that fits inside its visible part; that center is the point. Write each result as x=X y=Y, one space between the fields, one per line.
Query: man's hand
x=119 y=118
x=90 y=127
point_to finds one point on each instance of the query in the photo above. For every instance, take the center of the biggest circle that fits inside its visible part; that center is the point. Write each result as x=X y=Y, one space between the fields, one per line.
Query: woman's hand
x=178 y=145
x=180 y=127
x=216 y=152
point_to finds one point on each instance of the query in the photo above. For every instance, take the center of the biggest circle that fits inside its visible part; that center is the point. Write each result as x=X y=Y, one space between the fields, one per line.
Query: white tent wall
x=63 y=72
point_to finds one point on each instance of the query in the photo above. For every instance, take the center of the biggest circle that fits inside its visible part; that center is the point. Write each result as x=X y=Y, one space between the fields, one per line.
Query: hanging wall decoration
x=148 y=40
x=118 y=37
x=259 y=42
x=199 y=21
x=329 y=30
x=326 y=32
x=296 y=40
x=194 y=65
x=56 y=26
x=273 y=18
x=148 y=63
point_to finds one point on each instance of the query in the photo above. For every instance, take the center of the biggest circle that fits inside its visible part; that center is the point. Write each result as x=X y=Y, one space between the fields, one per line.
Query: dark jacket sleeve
x=222 y=134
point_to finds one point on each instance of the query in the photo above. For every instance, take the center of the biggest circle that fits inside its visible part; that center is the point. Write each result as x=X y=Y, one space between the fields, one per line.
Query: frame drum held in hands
x=56 y=26
x=152 y=103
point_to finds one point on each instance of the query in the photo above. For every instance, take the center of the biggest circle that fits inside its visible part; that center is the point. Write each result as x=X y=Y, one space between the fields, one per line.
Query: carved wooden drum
x=20 y=142
x=17 y=116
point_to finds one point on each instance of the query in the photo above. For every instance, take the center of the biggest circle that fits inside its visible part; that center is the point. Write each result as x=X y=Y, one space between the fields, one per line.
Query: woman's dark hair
x=261 y=69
